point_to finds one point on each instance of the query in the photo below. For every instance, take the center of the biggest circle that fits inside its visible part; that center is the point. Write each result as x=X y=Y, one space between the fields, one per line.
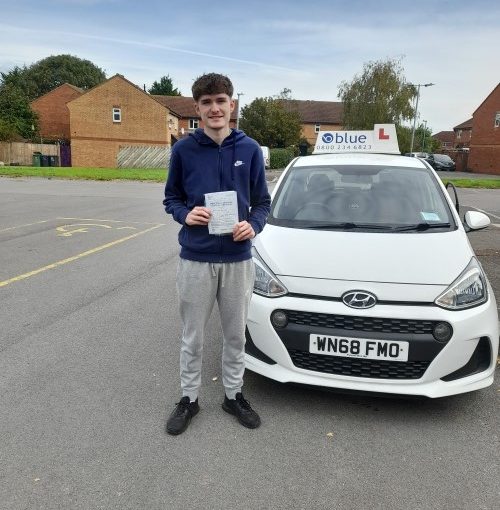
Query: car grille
x=355 y=367
x=360 y=323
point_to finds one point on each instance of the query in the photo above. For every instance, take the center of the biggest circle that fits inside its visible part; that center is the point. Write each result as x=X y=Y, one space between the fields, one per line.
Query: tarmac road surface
x=89 y=348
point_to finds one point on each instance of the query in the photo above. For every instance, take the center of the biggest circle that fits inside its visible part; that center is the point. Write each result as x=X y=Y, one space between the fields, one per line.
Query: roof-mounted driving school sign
x=382 y=140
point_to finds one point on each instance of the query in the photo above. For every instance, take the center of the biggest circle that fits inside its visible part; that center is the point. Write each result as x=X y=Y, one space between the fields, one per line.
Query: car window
x=374 y=196
x=443 y=157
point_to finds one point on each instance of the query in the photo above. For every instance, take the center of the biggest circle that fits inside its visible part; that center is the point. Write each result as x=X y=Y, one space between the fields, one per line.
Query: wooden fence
x=143 y=156
x=19 y=153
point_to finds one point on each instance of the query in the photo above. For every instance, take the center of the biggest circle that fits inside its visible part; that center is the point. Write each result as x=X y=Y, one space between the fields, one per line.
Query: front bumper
x=465 y=363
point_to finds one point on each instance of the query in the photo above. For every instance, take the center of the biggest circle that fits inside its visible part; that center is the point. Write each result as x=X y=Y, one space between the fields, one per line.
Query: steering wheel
x=313 y=206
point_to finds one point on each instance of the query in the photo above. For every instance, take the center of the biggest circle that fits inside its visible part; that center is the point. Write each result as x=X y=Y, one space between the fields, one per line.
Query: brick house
x=53 y=113
x=446 y=139
x=316 y=116
x=189 y=120
x=463 y=134
x=113 y=115
x=484 y=155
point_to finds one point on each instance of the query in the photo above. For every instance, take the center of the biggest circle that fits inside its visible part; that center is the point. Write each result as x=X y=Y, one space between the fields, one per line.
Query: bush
x=280 y=157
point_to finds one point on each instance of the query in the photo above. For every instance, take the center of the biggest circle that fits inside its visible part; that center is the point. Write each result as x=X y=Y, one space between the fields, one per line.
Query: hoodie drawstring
x=233 y=159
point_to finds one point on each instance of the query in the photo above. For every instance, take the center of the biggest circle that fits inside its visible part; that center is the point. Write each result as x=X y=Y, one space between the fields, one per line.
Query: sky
x=309 y=47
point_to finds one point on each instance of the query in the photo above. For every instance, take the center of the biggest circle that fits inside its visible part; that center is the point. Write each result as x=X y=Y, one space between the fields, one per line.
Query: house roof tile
x=326 y=112
x=64 y=85
x=184 y=106
x=445 y=136
x=465 y=125
x=118 y=77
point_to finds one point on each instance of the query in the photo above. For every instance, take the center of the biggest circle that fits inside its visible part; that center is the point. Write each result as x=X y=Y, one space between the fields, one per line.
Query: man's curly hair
x=212 y=83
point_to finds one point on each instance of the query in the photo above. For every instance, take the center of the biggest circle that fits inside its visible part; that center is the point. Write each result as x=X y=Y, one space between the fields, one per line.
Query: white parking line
x=485 y=212
x=114 y=221
x=25 y=225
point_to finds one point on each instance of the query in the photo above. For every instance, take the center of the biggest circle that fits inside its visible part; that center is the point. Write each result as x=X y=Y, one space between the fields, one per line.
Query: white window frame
x=194 y=124
x=317 y=128
x=497 y=120
x=117 y=115
x=459 y=133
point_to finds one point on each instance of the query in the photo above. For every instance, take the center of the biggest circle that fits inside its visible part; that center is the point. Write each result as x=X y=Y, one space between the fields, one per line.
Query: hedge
x=280 y=157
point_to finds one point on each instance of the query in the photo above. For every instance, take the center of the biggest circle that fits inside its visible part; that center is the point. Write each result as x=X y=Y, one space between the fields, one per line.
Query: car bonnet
x=433 y=258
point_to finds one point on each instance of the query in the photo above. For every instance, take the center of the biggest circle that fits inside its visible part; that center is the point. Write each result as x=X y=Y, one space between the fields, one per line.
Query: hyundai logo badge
x=359 y=299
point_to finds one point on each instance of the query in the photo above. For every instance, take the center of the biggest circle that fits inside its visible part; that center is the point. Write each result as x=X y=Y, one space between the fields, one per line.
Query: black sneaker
x=242 y=410
x=179 y=420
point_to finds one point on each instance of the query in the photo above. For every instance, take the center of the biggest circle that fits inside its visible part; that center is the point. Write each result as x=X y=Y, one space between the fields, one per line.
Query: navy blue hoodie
x=198 y=166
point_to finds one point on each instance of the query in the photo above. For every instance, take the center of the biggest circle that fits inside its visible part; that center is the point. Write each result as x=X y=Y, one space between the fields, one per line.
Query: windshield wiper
x=421 y=226
x=348 y=225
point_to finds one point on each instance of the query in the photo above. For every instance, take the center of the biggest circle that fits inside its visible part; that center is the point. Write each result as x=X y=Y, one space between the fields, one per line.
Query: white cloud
x=267 y=46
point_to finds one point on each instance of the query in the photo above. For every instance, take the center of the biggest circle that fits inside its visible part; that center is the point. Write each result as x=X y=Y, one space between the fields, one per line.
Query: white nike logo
x=238 y=163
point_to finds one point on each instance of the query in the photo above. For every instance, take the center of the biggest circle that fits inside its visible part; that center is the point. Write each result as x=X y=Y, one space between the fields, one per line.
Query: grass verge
x=94 y=174
x=474 y=183
x=159 y=175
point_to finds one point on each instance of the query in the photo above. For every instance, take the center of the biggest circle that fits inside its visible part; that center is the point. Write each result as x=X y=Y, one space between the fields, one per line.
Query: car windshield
x=443 y=157
x=356 y=197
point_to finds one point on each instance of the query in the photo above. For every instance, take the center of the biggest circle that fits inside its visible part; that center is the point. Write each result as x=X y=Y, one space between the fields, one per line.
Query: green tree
x=423 y=141
x=7 y=131
x=16 y=115
x=48 y=73
x=165 y=87
x=379 y=95
x=268 y=121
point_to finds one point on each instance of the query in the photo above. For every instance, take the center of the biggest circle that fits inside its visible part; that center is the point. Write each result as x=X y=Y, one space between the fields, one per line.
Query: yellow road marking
x=69 y=233
x=27 y=225
x=75 y=257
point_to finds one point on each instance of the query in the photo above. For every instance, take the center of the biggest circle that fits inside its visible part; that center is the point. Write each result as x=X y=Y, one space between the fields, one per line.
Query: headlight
x=467 y=291
x=266 y=284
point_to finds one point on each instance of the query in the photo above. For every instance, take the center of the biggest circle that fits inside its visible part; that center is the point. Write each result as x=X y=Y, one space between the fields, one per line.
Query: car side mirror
x=476 y=220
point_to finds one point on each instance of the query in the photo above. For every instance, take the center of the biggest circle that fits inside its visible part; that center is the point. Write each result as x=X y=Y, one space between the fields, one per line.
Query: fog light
x=279 y=319
x=442 y=332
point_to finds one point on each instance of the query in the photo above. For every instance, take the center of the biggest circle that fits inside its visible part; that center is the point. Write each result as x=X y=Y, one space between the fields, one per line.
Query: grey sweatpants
x=199 y=284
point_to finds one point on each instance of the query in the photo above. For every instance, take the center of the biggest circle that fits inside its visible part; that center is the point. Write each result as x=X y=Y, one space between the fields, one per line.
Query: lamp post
x=418 y=85
x=423 y=135
x=238 y=110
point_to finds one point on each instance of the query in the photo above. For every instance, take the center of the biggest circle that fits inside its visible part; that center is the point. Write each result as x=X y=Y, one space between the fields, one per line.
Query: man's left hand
x=243 y=231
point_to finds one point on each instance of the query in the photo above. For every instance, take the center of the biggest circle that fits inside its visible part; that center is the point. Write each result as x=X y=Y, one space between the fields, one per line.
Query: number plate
x=358 y=347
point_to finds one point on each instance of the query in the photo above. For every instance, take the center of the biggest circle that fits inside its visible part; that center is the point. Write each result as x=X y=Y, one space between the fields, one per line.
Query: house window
x=117 y=114
x=317 y=128
x=497 y=119
x=194 y=124
x=459 y=133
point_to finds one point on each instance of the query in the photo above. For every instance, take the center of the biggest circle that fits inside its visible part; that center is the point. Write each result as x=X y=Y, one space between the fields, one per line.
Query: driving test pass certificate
x=224 y=207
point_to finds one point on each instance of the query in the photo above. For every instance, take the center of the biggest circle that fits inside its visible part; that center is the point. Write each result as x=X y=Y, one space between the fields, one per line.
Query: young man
x=215 y=267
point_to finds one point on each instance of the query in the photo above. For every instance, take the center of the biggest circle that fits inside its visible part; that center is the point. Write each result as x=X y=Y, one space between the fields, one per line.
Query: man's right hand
x=198 y=216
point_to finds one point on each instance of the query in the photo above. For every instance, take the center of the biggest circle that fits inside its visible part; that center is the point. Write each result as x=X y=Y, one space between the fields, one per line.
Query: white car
x=365 y=280
x=266 y=155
